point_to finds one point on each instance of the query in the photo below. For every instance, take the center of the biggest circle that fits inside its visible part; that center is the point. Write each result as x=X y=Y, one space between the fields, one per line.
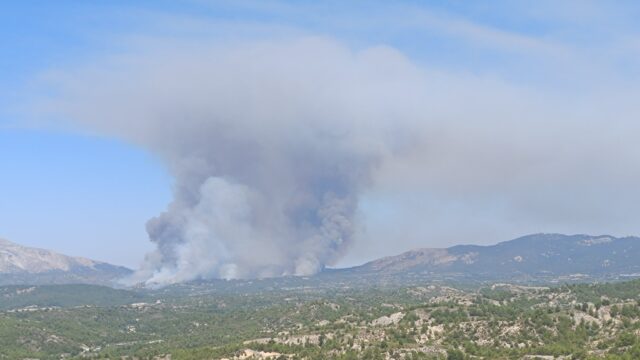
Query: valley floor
x=432 y=321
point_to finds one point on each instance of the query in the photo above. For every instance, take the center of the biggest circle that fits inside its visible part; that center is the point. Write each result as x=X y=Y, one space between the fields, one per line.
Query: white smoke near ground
x=273 y=144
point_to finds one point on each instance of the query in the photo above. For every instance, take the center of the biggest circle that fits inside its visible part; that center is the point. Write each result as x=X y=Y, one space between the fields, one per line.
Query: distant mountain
x=26 y=265
x=538 y=257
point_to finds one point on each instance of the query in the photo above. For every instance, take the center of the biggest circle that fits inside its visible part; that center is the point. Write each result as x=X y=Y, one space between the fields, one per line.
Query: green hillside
x=431 y=321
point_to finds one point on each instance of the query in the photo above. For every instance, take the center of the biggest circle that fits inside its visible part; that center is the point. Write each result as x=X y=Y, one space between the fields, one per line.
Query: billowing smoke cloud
x=271 y=146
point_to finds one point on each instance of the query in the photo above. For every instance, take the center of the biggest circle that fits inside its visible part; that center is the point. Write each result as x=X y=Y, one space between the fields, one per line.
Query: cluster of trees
x=214 y=326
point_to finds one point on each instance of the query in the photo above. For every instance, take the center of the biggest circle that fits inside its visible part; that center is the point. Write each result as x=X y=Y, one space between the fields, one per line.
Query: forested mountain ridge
x=534 y=256
x=537 y=258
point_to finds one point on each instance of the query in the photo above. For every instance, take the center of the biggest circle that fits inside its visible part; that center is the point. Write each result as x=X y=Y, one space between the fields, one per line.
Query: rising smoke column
x=271 y=146
x=245 y=207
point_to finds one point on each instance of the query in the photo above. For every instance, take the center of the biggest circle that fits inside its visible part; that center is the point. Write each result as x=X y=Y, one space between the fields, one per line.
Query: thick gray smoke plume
x=270 y=145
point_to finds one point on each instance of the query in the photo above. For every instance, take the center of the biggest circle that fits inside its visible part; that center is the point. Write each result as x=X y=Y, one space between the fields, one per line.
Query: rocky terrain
x=27 y=265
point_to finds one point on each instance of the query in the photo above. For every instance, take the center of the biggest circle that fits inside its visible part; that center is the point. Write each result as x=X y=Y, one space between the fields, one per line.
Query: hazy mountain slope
x=532 y=256
x=26 y=265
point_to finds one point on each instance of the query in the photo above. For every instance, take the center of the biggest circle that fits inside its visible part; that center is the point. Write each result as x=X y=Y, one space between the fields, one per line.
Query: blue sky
x=91 y=194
